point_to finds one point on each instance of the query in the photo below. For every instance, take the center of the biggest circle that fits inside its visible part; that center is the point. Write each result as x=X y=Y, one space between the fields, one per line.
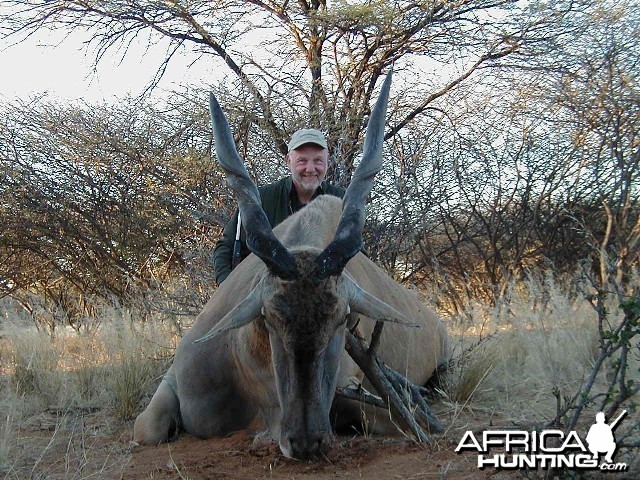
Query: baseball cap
x=307 y=135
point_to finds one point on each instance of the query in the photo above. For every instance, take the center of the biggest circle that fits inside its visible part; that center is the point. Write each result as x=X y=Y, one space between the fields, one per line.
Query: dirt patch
x=91 y=445
x=351 y=457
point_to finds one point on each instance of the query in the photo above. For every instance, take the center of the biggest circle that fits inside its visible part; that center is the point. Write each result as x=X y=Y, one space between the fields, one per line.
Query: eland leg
x=161 y=419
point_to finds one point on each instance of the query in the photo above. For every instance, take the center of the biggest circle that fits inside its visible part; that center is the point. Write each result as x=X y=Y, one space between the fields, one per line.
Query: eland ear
x=363 y=302
x=242 y=314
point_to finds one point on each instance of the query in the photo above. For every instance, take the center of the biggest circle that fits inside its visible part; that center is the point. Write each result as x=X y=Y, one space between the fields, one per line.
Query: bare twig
x=396 y=392
x=361 y=395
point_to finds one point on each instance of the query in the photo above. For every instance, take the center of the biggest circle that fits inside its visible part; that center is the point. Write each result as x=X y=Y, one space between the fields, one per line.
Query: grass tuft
x=36 y=366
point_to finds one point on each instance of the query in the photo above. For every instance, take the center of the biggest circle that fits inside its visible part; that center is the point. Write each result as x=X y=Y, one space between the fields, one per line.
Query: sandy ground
x=356 y=457
x=86 y=447
x=92 y=445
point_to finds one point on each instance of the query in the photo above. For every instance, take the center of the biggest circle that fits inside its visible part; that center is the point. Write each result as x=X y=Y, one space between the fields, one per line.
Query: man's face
x=308 y=165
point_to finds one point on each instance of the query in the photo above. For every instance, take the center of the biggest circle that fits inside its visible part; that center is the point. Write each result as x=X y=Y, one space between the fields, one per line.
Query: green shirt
x=279 y=200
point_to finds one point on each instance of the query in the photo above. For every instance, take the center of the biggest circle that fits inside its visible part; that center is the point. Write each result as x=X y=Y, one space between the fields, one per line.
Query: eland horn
x=348 y=238
x=260 y=237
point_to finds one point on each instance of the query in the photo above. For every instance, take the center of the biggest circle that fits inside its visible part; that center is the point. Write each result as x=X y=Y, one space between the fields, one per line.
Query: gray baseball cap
x=307 y=135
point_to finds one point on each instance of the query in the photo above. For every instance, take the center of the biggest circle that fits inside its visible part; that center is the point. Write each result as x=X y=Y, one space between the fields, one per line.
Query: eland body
x=268 y=350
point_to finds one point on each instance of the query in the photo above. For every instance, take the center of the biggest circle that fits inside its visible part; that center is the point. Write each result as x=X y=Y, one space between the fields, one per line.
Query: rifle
x=237 y=247
x=613 y=424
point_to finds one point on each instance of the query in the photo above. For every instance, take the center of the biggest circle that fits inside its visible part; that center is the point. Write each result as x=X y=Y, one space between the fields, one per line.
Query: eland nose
x=310 y=445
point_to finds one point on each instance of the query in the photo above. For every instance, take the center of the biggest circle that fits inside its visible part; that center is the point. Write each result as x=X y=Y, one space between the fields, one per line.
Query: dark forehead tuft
x=306 y=265
x=306 y=307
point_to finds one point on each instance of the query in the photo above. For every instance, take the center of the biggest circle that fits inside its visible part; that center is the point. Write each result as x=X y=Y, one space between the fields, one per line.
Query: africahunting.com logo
x=547 y=448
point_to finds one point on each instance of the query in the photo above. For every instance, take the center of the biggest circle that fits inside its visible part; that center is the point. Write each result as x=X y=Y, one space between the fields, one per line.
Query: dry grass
x=66 y=403
x=511 y=357
x=73 y=391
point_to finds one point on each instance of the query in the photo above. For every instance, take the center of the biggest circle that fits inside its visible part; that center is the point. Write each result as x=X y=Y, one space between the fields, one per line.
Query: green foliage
x=631 y=309
x=361 y=15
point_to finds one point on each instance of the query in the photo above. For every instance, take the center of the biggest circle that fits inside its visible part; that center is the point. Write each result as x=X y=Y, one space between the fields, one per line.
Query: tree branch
x=397 y=392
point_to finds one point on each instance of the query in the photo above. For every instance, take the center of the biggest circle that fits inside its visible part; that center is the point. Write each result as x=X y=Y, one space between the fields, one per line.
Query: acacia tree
x=100 y=200
x=591 y=99
x=603 y=99
x=479 y=174
x=323 y=59
x=531 y=169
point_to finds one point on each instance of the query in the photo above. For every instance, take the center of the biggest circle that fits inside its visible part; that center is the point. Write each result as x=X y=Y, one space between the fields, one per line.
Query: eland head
x=304 y=297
